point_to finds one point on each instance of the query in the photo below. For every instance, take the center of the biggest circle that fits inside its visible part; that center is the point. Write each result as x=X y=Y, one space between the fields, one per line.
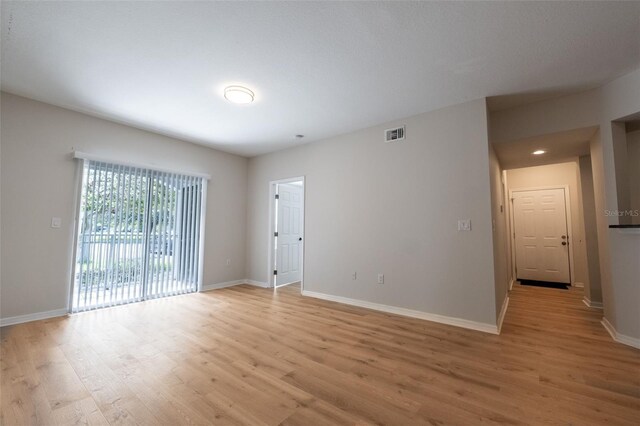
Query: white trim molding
x=33 y=317
x=503 y=312
x=209 y=287
x=62 y=312
x=591 y=304
x=620 y=338
x=578 y=284
x=511 y=284
x=457 y=322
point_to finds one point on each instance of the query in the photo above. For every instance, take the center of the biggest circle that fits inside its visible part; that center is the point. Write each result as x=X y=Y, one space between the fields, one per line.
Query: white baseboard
x=210 y=287
x=620 y=338
x=503 y=312
x=458 y=322
x=578 y=284
x=591 y=304
x=33 y=317
x=61 y=312
x=511 y=284
x=257 y=283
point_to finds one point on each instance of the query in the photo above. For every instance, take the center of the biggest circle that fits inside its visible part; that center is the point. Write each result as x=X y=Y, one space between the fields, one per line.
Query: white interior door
x=541 y=238
x=289 y=234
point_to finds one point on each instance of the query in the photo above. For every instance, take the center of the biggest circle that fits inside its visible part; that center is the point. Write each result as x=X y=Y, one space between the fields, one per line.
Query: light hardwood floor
x=245 y=355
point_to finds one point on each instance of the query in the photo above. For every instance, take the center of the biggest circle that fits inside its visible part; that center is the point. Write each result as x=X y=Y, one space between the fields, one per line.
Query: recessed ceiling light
x=238 y=95
x=539 y=152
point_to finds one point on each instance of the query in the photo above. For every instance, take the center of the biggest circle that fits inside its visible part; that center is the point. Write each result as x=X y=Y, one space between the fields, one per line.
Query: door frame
x=272 y=227
x=567 y=203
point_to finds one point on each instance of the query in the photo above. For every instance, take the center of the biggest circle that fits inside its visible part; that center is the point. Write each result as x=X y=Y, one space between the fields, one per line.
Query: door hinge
x=275 y=234
x=277 y=196
x=275 y=272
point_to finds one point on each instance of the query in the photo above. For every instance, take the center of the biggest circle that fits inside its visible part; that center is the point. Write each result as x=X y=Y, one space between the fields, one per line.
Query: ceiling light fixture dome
x=238 y=95
x=539 y=152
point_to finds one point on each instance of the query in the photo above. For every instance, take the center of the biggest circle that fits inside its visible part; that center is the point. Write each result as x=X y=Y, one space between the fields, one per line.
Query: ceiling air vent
x=392 y=135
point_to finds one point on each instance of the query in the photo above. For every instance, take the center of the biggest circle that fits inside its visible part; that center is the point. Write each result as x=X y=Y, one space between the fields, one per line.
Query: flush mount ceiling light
x=539 y=152
x=238 y=95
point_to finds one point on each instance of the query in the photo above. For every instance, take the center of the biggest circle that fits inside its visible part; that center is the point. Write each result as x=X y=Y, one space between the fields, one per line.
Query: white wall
x=593 y=291
x=546 y=117
x=501 y=262
x=621 y=156
x=633 y=161
x=625 y=255
x=37 y=182
x=373 y=207
x=559 y=175
x=625 y=274
x=618 y=99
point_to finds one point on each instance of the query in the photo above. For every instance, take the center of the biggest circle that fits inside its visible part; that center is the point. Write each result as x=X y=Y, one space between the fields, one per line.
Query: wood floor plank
x=83 y=411
x=251 y=356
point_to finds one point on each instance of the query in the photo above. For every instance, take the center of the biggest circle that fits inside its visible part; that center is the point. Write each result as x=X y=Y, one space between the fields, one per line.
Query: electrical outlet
x=228 y=262
x=354 y=276
x=380 y=278
x=56 y=222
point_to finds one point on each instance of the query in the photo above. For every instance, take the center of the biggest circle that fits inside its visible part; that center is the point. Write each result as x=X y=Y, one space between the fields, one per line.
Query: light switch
x=464 y=225
x=56 y=222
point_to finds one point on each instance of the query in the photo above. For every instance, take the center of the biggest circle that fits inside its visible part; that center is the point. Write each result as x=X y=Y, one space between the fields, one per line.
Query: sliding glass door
x=138 y=236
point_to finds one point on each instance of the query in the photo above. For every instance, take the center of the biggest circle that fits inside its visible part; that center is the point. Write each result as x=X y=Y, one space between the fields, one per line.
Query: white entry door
x=541 y=238
x=289 y=234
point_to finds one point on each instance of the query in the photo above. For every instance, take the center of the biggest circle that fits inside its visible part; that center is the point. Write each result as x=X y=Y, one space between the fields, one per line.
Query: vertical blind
x=138 y=236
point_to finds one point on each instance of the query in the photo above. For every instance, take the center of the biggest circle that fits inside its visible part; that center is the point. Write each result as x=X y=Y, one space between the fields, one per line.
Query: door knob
x=564 y=243
x=564 y=236
x=300 y=239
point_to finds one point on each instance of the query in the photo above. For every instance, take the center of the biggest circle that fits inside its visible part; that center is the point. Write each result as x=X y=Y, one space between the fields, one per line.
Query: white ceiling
x=318 y=68
x=559 y=147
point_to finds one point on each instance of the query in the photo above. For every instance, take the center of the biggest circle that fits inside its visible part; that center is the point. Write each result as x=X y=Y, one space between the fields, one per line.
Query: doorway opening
x=286 y=232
